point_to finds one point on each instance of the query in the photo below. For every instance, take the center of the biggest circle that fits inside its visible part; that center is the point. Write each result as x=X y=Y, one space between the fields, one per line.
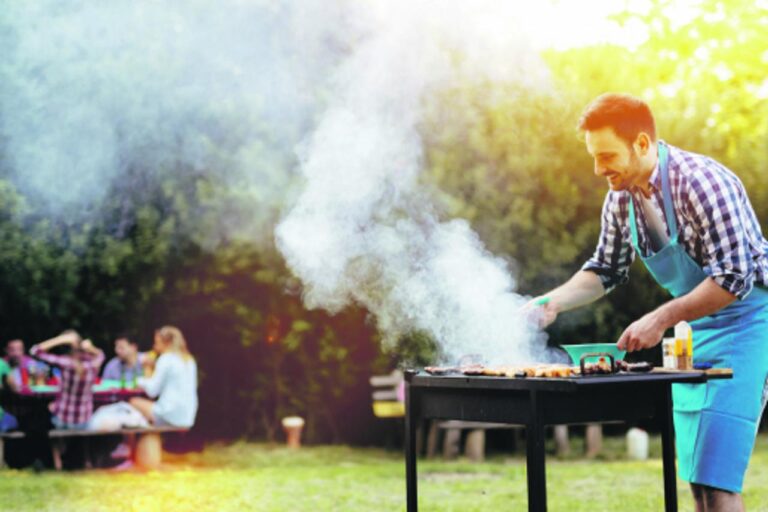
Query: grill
x=537 y=402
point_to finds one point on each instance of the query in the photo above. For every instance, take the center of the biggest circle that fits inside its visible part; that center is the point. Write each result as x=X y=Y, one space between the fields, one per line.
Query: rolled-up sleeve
x=52 y=359
x=717 y=206
x=614 y=254
x=153 y=385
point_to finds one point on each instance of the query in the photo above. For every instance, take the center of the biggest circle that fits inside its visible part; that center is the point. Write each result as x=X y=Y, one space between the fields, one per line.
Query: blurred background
x=147 y=153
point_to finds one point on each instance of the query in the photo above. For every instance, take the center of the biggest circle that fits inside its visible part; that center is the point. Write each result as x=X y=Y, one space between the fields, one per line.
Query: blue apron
x=716 y=422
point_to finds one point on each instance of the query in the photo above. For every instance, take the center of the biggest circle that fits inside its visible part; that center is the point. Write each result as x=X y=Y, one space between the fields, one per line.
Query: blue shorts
x=8 y=422
x=61 y=425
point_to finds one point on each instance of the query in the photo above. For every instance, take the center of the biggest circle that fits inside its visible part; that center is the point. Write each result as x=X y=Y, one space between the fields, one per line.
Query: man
x=126 y=365
x=7 y=420
x=691 y=222
x=22 y=365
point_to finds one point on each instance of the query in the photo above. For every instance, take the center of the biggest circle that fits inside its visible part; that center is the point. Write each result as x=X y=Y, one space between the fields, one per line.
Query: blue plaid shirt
x=717 y=226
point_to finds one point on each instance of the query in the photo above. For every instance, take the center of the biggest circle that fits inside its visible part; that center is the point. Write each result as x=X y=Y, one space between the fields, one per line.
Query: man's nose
x=599 y=170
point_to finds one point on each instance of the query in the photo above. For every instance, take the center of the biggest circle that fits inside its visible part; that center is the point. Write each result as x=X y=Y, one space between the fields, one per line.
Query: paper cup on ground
x=292 y=425
x=637 y=444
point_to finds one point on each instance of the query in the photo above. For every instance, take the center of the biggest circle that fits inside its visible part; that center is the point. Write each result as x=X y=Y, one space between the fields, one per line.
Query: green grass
x=245 y=476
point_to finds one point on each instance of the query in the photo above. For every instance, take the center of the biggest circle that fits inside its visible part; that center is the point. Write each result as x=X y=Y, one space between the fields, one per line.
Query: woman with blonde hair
x=173 y=383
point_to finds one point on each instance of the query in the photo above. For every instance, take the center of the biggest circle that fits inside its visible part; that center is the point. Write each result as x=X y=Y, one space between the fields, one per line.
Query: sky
x=561 y=24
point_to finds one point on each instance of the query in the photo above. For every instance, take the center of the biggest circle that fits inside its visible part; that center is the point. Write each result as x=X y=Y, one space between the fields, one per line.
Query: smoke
x=100 y=100
x=364 y=230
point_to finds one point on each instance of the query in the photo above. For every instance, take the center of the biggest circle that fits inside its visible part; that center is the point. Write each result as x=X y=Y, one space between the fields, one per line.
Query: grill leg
x=668 y=449
x=537 y=477
x=411 y=422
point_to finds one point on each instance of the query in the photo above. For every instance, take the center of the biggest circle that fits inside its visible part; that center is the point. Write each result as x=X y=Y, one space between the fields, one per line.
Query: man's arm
x=12 y=383
x=583 y=288
x=67 y=338
x=608 y=267
x=707 y=298
x=714 y=203
x=40 y=351
x=112 y=369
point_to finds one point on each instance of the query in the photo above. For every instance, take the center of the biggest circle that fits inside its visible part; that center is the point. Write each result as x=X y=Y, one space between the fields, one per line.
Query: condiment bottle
x=668 y=353
x=684 y=346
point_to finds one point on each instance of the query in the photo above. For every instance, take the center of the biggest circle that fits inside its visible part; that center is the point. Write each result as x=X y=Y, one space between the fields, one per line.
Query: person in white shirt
x=173 y=384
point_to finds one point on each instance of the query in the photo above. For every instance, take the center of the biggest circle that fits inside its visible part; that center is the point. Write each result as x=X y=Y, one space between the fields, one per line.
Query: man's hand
x=541 y=310
x=644 y=333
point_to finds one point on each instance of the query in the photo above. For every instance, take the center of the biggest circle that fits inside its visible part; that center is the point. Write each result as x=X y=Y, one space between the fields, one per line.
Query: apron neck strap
x=669 y=211
x=666 y=191
x=633 y=223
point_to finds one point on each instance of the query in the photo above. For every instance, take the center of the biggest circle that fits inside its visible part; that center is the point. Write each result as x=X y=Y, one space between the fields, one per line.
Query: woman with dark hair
x=74 y=404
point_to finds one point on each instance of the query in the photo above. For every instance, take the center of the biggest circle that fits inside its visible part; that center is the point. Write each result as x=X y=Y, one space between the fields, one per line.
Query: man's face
x=124 y=349
x=615 y=160
x=15 y=351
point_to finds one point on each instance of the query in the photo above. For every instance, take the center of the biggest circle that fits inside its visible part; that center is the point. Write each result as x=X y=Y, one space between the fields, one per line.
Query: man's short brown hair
x=627 y=115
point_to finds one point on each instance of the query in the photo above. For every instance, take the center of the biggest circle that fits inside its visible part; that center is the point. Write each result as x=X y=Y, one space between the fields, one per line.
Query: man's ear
x=642 y=143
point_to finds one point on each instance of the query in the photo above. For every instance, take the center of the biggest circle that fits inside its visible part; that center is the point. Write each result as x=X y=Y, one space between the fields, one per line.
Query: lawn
x=247 y=476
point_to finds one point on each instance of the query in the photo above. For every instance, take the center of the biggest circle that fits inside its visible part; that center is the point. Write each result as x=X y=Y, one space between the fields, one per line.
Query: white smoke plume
x=364 y=231
x=99 y=98
x=92 y=93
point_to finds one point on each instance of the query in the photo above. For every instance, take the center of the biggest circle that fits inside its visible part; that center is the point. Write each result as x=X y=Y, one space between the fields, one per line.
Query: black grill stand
x=537 y=402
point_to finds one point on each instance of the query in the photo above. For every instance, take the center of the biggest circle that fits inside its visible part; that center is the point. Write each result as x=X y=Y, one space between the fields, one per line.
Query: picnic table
x=145 y=443
x=104 y=391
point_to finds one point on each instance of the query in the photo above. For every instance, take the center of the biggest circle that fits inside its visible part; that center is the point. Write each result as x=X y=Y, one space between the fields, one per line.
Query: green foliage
x=506 y=158
x=510 y=161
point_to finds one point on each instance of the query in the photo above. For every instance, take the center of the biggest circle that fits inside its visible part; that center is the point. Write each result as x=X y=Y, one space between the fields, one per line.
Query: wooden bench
x=386 y=405
x=474 y=445
x=385 y=400
x=145 y=444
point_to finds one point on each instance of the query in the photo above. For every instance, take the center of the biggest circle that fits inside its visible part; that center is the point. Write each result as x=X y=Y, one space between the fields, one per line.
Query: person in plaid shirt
x=74 y=404
x=690 y=221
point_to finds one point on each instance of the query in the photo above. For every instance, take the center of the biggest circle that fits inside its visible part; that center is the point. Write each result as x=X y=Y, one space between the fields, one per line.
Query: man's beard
x=631 y=172
x=634 y=170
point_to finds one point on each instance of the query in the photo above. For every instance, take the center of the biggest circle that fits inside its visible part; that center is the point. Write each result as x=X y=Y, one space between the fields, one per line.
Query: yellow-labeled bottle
x=684 y=346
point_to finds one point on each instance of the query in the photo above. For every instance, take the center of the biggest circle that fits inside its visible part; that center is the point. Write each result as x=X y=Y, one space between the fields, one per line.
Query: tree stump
x=474 y=448
x=149 y=451
x=451 y=442
x=594 y=436
x=562 y=444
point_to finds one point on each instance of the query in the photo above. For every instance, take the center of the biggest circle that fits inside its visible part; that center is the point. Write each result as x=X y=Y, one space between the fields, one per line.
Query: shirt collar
x=655 y=179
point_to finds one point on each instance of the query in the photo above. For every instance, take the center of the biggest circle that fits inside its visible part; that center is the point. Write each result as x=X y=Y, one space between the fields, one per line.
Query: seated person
x=74 y=403
x=23 y=367
x=174 y=382
x=7 y=420
x=126 y=366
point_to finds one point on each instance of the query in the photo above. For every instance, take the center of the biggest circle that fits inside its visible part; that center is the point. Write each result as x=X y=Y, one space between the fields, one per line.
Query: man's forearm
x=46 y=345
x=581 y=289
x=707 y=298
x=90 y=348
x=11 y=381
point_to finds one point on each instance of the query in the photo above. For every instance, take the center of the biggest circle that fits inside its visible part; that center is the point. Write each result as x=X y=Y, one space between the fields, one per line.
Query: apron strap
x=669 y=213
x=633 y=223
